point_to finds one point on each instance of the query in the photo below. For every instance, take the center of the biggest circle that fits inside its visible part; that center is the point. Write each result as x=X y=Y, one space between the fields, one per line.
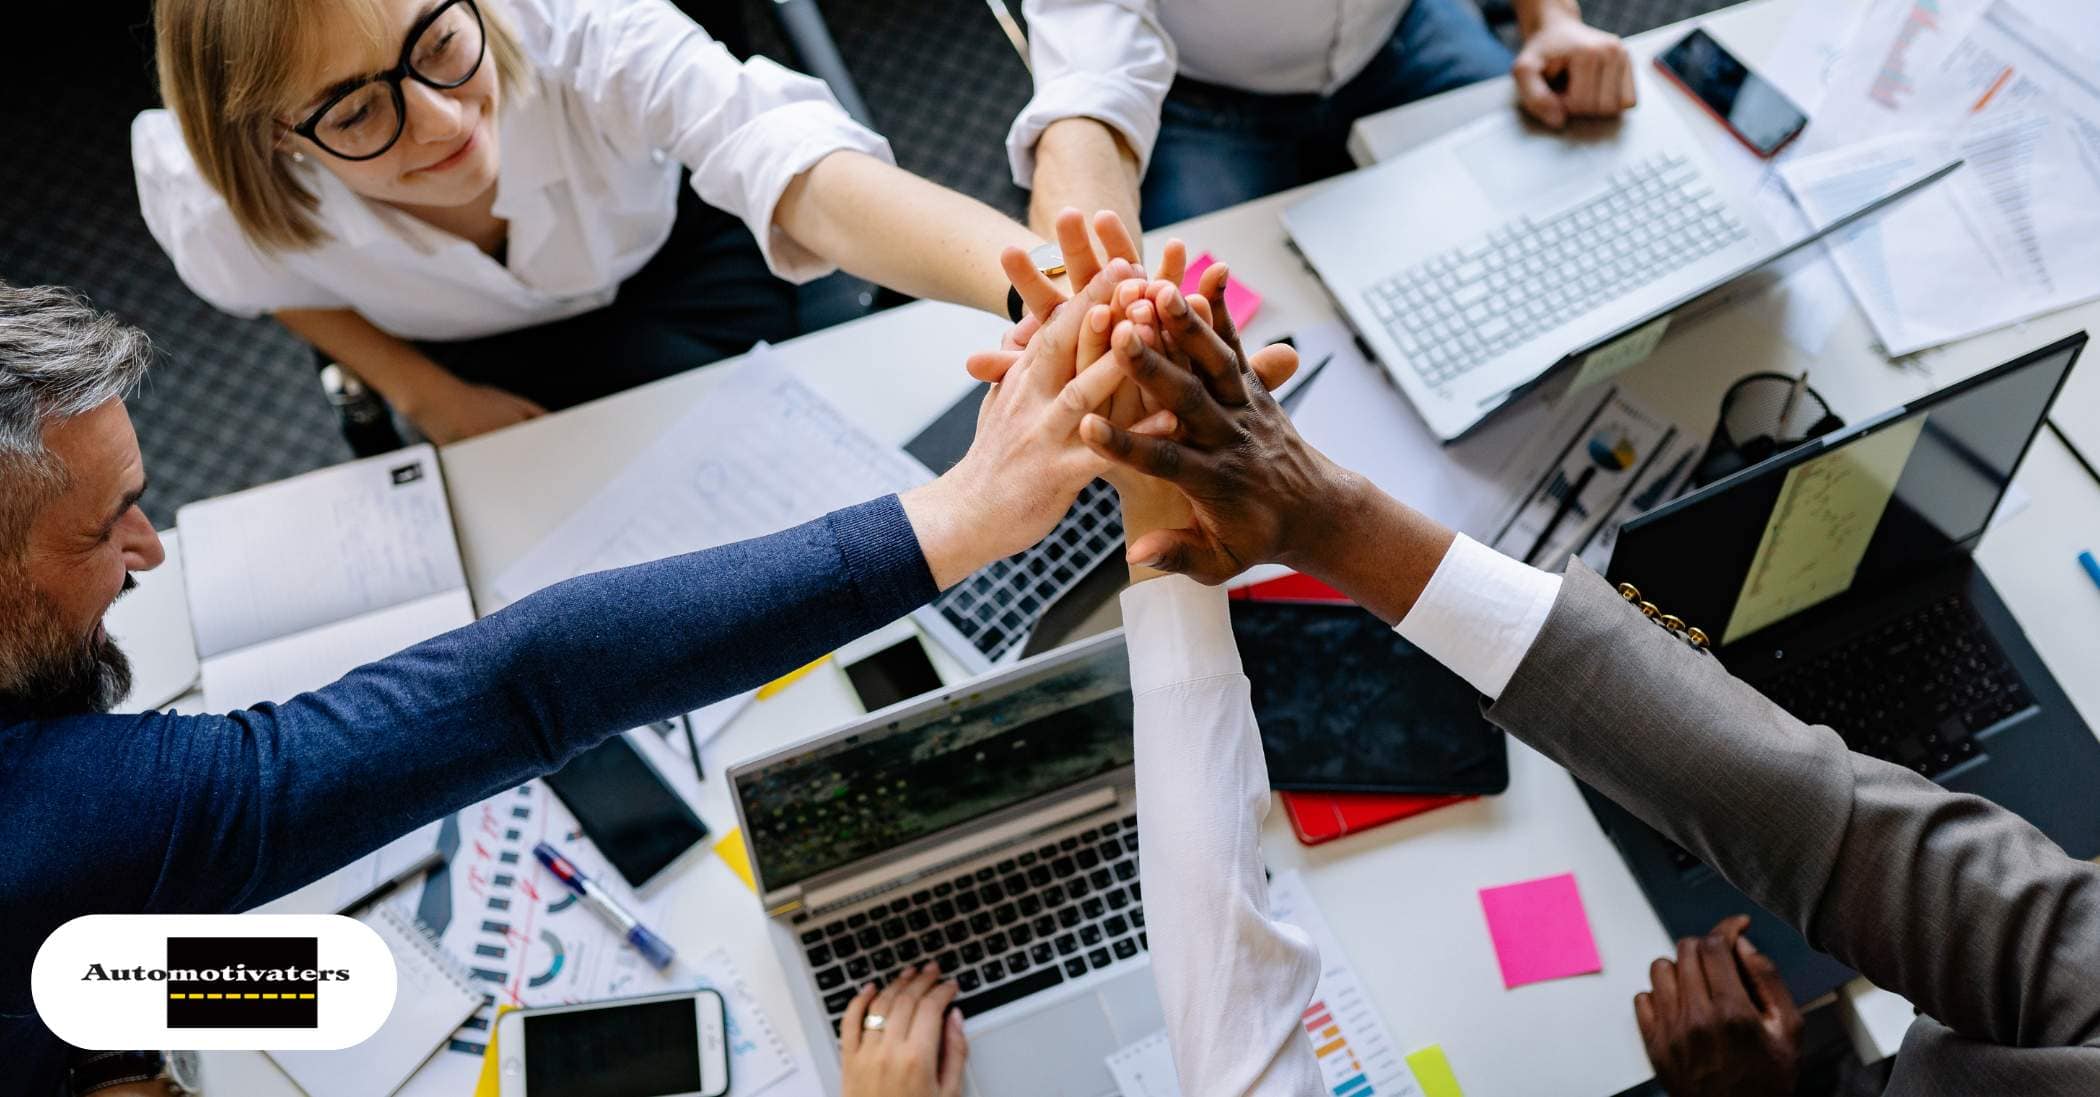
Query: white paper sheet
x=521 y=934
x=152 y=625
x=324 y=547
x=762 y=453
x=2009 y=235
x=1349 y=1039
x=1614 y=457
x=1146 y=1068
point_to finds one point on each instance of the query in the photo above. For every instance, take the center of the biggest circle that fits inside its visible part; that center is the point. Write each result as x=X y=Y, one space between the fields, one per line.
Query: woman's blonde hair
x=228 y=69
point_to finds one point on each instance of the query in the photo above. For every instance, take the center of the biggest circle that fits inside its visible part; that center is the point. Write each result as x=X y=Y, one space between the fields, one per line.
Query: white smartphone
x=665 y=1045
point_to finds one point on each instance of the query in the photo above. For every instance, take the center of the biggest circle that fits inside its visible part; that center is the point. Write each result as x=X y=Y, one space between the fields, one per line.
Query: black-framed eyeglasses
x=363 y=119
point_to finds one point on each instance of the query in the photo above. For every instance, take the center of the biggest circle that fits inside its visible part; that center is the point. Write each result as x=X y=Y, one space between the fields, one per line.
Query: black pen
x=1289 y=399
x=387 y=887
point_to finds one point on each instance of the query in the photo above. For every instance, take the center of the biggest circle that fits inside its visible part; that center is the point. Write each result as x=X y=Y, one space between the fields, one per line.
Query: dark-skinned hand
x=1719 y=1021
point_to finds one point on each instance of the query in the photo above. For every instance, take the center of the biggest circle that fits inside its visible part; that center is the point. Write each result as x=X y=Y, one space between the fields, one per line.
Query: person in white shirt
x=475 y=205
x=1232 y=980
x=1194 y=105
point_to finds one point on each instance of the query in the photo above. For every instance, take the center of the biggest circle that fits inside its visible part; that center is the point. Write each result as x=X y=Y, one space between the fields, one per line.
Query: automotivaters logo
x=222 y=981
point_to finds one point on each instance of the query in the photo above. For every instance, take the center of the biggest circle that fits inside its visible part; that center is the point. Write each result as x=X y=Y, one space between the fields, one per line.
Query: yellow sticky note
x=489 y=1085
x=731 y=850
x=767 y=691
x=1433 y=1073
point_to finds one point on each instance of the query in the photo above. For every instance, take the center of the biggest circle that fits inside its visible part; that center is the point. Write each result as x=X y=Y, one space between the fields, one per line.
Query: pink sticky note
x=1240 y=301
x=1540 y=930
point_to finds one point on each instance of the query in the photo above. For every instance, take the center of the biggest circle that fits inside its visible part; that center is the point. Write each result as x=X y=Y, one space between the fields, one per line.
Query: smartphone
x=665 y=1045
x=896 y=673
x=1753 y=108
x=634 y=817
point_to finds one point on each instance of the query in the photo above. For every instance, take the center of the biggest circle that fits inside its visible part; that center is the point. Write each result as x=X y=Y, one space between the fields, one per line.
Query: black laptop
x=1837 y=578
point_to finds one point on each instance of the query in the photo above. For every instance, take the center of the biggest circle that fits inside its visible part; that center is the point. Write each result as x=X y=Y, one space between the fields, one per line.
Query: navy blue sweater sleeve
x=186 y=814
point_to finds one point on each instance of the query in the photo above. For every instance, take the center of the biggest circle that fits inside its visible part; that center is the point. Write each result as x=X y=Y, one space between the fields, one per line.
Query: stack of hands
x=1130 y=380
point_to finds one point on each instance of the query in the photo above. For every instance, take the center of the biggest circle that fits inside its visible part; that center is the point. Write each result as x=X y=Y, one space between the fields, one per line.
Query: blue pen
x=652 y=947
x=2092 y=566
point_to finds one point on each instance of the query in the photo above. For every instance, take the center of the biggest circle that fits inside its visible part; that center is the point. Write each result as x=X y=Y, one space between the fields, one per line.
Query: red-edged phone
x=1751 y=107
x=1318 y=817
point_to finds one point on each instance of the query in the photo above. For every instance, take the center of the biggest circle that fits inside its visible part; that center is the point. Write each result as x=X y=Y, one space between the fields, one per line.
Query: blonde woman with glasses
x=476 y=205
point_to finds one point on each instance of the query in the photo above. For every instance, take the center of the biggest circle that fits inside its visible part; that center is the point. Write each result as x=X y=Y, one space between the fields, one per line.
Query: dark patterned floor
x=233 y=402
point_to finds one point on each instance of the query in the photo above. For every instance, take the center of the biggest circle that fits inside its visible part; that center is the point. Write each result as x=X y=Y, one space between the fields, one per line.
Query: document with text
x=293 y=584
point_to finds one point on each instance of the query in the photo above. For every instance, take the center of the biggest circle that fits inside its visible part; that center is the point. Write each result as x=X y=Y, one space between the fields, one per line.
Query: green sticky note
x=1621 y=354
x=1433 y=1073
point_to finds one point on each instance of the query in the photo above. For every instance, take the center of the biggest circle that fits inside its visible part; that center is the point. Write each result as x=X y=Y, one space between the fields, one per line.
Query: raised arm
x=1101 y=70
x=203 y=814
x=1947 y=899
x=441 y=405
x=1233 y=981
x=772 y=146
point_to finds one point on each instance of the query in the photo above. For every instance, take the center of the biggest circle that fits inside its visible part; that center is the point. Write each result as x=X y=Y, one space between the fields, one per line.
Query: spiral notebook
x=434 y=999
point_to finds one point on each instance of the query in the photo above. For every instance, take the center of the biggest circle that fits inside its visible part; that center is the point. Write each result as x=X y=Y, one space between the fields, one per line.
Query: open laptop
x=991 y=827
x=1837 y=578
x=1500 y=254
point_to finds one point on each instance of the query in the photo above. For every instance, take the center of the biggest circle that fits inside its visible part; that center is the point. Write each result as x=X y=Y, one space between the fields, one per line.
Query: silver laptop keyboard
x=1469 y=305
x=997 y=608
x=1020 y=923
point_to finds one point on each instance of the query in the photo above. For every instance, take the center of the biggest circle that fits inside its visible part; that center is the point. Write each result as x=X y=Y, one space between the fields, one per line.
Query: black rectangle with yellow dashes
x=244 y=989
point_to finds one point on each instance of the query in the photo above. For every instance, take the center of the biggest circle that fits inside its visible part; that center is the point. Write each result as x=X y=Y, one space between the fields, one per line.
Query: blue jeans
x=1221 y=146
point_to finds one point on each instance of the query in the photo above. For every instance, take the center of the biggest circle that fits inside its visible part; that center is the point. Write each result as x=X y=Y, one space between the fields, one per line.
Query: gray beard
x=45 y=673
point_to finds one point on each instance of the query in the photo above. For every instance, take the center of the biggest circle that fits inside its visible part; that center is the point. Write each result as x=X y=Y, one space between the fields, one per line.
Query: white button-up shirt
x=1233 y=981
x=622 y=92
x=1112 y=60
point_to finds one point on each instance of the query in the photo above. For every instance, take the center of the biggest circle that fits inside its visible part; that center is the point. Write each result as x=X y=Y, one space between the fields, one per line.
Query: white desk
x=1401 y=898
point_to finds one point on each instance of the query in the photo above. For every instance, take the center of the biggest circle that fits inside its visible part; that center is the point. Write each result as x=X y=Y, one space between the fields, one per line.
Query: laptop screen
x=1870 y=505
x=880 y=789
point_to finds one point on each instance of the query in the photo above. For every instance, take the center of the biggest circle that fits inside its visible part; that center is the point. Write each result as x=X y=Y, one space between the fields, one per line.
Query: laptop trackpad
x=1058 y=1051
x=1513 y=163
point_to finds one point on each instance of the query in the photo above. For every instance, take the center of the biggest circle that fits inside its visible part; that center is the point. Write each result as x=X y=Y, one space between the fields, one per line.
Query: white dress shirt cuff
x=1184 y=629
x=1127 y=109
x=1480 y=613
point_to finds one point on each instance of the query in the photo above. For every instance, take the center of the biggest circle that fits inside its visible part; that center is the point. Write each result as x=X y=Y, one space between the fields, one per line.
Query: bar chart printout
x=1357 y=1056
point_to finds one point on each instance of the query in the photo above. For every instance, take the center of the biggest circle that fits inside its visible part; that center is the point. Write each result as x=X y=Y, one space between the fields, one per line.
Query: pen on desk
x=2092 y=566
x=1290 y=399
x=652 y=947
x=386 y=887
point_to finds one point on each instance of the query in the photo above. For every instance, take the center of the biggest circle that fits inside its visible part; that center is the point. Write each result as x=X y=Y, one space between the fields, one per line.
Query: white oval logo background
x=117 y=1014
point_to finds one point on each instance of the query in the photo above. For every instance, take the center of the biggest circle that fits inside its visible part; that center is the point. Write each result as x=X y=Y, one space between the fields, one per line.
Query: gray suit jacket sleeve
x=1951 y=901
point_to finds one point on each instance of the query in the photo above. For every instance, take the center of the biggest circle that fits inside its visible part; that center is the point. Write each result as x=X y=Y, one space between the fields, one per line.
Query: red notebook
x=1318 y=817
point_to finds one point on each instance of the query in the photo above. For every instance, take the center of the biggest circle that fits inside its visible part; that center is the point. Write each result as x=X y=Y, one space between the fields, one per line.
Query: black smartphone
x=1346 y=705
x=629 y=812
x=896 y=673
x=1753 y=108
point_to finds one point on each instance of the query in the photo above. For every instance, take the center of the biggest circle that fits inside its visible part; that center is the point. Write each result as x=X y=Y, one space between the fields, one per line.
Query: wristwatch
x=96 y=1071
x=1046 y=258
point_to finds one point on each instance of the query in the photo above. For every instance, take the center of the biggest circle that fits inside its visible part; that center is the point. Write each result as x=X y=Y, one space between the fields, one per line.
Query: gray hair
x=59 y=358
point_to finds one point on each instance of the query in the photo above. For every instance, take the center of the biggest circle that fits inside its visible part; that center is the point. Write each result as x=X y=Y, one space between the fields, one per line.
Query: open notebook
x=294 y=584
x=434 y=996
